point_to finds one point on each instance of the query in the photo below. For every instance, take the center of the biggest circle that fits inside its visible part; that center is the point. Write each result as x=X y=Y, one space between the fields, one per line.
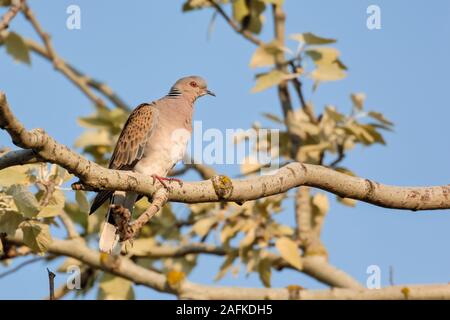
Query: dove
x=152 y=141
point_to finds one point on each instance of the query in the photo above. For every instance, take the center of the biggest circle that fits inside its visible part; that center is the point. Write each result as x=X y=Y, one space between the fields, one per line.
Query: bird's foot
x=163 y=180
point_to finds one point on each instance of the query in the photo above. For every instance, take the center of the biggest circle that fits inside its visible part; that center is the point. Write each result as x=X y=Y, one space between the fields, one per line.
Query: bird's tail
x=109 y=237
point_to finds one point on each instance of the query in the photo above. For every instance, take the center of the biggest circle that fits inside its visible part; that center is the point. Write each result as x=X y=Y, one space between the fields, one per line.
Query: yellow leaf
x=202 y=227
x=115 y=288
x=358 y=100
x=14 y=175
x=265 y=55
x=55 y=205
x=289 y=251
x=272 y=78
x=265 y=271
x=328 y=65
x=36 y=235
x=93 y=138
x=311 y=38
x=320 y=200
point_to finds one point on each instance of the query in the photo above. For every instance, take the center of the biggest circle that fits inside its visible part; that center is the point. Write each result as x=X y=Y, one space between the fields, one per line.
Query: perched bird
x=152 y=141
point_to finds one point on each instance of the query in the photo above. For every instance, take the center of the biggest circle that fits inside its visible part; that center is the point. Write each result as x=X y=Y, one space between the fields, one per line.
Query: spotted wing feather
x=130 y=146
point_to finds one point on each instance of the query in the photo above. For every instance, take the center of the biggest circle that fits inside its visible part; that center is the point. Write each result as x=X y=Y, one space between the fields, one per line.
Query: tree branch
x=125 y=268
x=288 y=177
x=10 y=14
x=314 y=266
x=18 y=157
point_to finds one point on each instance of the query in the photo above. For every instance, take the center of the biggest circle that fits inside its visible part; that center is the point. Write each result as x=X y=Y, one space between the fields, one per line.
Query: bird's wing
x=130 y=145
x=133 y=138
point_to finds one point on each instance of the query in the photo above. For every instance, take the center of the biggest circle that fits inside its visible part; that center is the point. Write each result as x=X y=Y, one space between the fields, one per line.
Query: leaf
x=248 y=239
x=358 y=100
x=272 y=78
x=5 y=3
x=202 y=227
x=289 y=251
x=265 y=55
x=265 y=271
x=115 y=288
x=250 y=165
x=55 y=205
x=36 y=235
x=25 y=201
x=347 y=201
x=273 y=117
x=240 y=10
x=83 y=204
x=327 y=63
x=9 y=222
x=378 y=116
x=14 y=175
x=16 y=47
x=226 y=265
x=320 y=201
x=311 y=38
x=93 y=138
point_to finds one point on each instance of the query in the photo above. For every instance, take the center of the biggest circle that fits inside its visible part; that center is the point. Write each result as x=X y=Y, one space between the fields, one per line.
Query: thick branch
x=288 y=177
x=125 y=268
x=314 y=266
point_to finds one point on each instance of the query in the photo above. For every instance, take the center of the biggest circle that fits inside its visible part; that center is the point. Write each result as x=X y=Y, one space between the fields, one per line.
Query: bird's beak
x=210 y=93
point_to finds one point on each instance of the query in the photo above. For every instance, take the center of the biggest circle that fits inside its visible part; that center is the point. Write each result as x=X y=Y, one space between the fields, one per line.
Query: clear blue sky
x=140 y=47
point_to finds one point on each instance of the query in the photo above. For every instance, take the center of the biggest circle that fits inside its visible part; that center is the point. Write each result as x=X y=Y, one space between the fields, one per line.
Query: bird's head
x=193 y=86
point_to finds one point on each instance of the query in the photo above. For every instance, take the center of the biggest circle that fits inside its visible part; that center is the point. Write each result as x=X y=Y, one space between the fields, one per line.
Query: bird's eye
x=193 y=84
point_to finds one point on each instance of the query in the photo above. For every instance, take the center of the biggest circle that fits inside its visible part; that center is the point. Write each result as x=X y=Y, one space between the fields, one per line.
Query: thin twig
x=10 y=14
x=51 y=284
x=59 y=63
x=20 y=266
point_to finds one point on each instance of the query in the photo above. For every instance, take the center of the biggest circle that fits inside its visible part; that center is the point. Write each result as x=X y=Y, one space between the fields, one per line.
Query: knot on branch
x=223 y=186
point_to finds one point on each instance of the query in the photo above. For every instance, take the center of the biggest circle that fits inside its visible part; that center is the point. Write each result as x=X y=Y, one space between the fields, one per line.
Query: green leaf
x=36 y=235
x=289 y=251
x=272 y=78
x=55 y=205
x=240 y=10
x=311 y=38
x=249 y=14
x=16 y=47
x=25 y=201
x=83 y=203
x=115 y=288
x=265 y=271
x=9 y=222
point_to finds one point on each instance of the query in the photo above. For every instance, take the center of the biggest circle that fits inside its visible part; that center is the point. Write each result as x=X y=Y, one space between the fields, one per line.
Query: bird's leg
x=163 y=179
